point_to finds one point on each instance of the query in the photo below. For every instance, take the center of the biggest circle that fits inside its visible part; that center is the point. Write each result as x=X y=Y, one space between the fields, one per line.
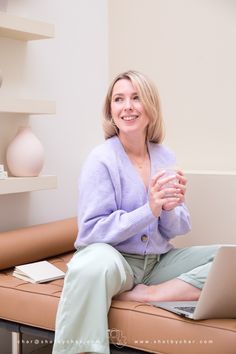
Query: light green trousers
x=98 y=272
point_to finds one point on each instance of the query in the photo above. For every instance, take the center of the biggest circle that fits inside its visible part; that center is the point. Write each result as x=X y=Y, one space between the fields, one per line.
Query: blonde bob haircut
x=149 y=97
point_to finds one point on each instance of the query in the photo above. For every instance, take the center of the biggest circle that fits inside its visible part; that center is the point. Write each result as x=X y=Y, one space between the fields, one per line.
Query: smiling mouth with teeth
x=128 y=118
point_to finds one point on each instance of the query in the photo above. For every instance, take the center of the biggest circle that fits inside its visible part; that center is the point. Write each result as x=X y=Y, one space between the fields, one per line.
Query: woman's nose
x=128 y=105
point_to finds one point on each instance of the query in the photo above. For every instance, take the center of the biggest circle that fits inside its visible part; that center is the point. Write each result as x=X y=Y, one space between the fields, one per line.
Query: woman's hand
x=181 y=186
x=165 y=195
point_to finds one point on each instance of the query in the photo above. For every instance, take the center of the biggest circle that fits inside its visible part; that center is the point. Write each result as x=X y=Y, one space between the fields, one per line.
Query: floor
x=36 y=345
x=30 y=344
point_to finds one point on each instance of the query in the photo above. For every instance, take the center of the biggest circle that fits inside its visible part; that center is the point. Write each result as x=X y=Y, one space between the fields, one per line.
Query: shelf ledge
x=210 y=172
x=12 y=185
x=24 y=29
x=13 y=105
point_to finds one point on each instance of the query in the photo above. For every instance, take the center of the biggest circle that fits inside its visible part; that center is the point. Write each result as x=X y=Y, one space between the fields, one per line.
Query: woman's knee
x=211 y=251
x=95 y=260
x=204 y=253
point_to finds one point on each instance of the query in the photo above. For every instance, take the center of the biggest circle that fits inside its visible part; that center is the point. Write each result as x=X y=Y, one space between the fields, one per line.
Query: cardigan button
x=144 y=238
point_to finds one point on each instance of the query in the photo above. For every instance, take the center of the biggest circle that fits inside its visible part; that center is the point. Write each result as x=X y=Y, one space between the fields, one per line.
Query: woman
x=129 y=210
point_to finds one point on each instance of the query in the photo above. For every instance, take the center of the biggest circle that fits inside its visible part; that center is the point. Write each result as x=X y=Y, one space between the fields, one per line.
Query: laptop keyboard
x=189 y=309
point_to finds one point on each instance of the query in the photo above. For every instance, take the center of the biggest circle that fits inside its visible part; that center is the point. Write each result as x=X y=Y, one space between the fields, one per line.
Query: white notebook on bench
x=38 y=272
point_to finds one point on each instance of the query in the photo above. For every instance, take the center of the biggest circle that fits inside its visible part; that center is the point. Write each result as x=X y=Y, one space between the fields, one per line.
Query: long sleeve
x=174 y=222
x=113 y=204
x=100 y=219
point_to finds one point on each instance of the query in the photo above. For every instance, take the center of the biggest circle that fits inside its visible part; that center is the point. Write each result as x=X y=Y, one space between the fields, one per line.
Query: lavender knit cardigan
x=113 y=203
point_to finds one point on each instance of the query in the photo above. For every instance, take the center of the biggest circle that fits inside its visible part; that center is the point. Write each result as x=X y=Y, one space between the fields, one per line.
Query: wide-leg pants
x=98 y=272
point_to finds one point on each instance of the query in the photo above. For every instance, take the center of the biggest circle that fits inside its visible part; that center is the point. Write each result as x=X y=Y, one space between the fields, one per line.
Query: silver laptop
x=218 y=296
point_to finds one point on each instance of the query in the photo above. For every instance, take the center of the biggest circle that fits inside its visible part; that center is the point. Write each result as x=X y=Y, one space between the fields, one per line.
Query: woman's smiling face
x=127 y=109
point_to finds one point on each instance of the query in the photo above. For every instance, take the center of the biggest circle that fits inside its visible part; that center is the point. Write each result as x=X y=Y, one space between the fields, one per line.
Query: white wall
x=188 y=48
x=211 y=199
x=71 y=69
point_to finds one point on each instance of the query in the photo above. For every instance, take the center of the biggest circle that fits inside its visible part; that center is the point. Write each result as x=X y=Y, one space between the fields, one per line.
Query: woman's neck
x=134 y=146
x=137 y=152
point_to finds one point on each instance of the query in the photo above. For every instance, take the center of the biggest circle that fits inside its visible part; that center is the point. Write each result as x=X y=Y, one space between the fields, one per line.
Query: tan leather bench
x=132 y=324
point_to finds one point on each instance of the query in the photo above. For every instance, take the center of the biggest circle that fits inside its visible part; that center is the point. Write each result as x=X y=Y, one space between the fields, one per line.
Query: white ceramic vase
x=25 y=154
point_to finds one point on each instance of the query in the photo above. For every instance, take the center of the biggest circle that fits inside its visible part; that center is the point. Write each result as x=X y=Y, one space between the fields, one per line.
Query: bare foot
x=138 y=293
x=171 y=290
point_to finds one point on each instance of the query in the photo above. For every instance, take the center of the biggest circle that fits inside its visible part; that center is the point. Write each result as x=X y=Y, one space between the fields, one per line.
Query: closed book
x=38 y=272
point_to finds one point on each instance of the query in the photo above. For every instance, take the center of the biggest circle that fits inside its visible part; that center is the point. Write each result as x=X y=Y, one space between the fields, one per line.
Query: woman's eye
x=136 y=98
x=118 y=99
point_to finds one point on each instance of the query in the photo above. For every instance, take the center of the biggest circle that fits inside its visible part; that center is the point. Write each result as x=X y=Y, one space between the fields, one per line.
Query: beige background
x=211 y=199
x=71 y=69
x=186 y=46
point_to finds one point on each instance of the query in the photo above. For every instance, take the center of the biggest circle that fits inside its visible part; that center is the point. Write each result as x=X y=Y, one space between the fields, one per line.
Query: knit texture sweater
x=113 y=202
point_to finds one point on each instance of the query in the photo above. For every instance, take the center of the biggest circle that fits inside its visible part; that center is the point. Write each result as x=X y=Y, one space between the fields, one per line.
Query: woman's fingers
x=159 y=181
x=166 y=192
x=166 y=195
x=169 y=205
x=182 y=182
x=181 y=187
x=181 y=178
x=155 y=179
x=170 y=192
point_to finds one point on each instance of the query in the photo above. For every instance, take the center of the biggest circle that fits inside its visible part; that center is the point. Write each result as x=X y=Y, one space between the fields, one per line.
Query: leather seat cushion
x=31 y=244
x=133 y=324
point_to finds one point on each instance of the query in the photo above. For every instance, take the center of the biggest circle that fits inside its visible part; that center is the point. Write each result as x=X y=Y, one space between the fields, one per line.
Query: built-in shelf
x=24 y=29
x=210 y=172
x=27 y=184
x=21 y=28
x=13 y=105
